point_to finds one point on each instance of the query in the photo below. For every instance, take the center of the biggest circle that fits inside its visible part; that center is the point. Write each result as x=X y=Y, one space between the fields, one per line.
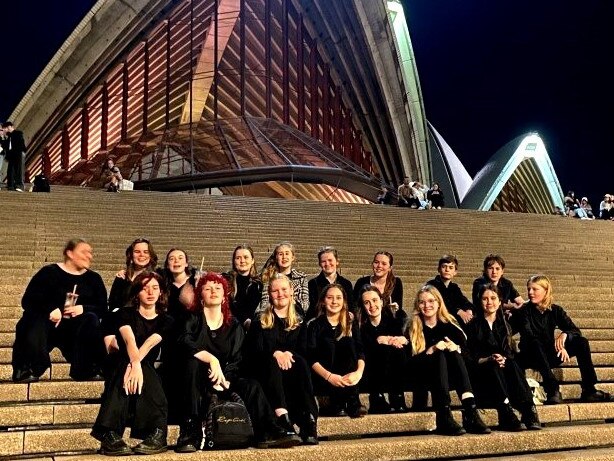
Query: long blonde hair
x=267 y=318
x=545 y=283
x=416 y=333
x=270 y=267
x=345 y=316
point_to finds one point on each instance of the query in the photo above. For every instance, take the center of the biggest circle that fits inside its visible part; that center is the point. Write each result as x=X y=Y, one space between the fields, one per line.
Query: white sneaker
x=18 y=189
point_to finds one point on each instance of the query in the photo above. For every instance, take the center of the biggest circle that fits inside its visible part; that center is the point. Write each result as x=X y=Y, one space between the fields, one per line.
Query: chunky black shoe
x=595 y=396
x=554 y=398
x=113 y=445
x=508 y=421
x=279 y=438
x=378 y=404
x=189 y=437
x=309 y=430
x=153 y=444
x=472 y=422
x=284 y=422
x=446 y=424
x=397 y=403
x=25 y=377
x=530 y=418
x=354 y=408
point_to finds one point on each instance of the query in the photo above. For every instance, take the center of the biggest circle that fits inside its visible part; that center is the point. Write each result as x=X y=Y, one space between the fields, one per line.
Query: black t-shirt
x=142 y=329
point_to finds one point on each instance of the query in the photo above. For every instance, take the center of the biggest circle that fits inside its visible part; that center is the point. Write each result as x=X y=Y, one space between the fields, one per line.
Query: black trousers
x=14 y=171
x=493 y=384
x=542 y=357
x=197 y=389
x=78 y=339
x=385 y=370
x=291 y=389
x=144 y=412
x=440 y=372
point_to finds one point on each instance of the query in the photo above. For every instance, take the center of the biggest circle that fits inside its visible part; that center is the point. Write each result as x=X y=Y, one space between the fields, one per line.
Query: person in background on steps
x=111 y=175
x=328 y=260
x=245 y=285
x=135 y=388
x=389 y=285
x=282 y=261
x=62 y=306
x=14 y=147
x=437 y=341
x=497 y=379
x=211 y=342
x=386 y=354
x=494 y=268
x=274 y=352
x=542 y=349
x=335 y=352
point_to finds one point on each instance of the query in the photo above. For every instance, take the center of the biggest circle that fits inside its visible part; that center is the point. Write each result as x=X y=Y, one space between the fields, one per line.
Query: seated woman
x=135 y=387
x=328 y=260
x=436 y=340
x=385 y=354
x=211 y=341
x=389 y=285
x=336 y=355
x=542 y=350
x=281 y=261
x=140 y=257
x=62 y=306
x=497 y=379
x=245 y=286
x=435 y=197
x=275 y=347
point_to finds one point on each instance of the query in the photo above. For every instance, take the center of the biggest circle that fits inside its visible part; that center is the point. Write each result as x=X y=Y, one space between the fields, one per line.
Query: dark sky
x=490 y=70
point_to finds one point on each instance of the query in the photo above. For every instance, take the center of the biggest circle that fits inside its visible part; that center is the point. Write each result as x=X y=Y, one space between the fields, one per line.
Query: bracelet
x=329 y=375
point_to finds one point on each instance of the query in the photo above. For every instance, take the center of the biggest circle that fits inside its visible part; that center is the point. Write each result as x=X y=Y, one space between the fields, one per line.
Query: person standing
x=14 y=147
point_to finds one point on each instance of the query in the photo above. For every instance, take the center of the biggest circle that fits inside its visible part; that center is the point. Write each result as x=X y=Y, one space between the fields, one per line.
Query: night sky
x=490 y=70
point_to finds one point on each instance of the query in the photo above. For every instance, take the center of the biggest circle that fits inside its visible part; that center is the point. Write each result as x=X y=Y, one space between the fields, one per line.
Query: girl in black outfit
x=335 y=352
x=541 y=350
x=276 y=343
x=389 y=285
x=135 y=387
x=211 y=341
x=245 y=286
x=497 y=378
x=386 y=353
x=437 y=340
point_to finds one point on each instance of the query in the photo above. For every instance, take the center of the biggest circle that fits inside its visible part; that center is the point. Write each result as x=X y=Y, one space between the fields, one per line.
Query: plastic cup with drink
x=70 y=301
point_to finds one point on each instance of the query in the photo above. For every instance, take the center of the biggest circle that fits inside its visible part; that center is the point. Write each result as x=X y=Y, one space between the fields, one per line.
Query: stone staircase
x=51 y=418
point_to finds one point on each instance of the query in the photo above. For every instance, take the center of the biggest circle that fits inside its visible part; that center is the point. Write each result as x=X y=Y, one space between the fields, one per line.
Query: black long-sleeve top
x=506 y=289
x=388 y=326
x=48 y=287
x=452 y=295
x=264 y=342
x=482 y=341
x=317 y=284
x=143 y=328
x=441 y=330
x=224 y=343
x=395 y=297
x=534 y=324
x=324 y=348
x=244 y=303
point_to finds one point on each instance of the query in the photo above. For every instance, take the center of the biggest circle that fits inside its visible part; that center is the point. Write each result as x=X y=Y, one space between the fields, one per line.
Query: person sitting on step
x=245 y=285
x=497 y=378
x=135 y=387
x=274 y=351
x=542 y=349
x=437 y=341
x=62 y=306
x=335 y=352
x=386 y=354
x=494 y=268
x=389 y=285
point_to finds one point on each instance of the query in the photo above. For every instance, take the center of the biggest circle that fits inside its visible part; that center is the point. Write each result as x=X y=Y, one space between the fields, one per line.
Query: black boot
x=446 y=424
x=284 y=422
x=397 y=402
x=508 y=421
x=153 y=444
x=554 y=397
x=190 y=436
x=279 y=437
x=530 y=418
x=355 y=409
x=378 y=404
x=309 y=430
x=472 y=422
x=113 y=445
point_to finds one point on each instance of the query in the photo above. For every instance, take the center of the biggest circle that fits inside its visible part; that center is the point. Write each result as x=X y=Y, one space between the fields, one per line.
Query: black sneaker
x=446 y=424
x=113 y=445
x=154 y=443
x=508 y=421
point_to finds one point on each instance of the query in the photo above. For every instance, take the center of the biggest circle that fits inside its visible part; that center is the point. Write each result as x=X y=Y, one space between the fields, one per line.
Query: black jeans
x=493 y=384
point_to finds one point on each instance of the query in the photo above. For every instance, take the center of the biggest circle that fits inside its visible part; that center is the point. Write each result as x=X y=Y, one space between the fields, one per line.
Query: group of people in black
x=168 y=338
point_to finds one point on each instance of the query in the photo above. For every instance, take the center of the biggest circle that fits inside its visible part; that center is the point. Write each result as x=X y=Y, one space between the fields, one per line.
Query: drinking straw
x=202 y=262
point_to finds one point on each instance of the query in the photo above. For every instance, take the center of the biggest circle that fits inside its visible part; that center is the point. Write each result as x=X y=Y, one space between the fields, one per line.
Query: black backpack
x=227 y=423
x=41 y=183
